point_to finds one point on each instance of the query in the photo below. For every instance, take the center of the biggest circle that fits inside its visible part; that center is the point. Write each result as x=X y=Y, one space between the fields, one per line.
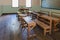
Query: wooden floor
x=10 y=29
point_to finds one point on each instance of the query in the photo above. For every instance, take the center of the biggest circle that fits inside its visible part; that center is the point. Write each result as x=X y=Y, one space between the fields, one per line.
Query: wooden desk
x=30 y=22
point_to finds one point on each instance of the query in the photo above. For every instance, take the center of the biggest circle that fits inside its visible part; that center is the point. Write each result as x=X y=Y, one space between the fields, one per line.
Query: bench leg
x=50 y=32
x=44 y=32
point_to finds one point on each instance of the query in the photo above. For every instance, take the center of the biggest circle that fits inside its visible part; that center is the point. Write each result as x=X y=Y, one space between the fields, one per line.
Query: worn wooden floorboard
x=10 y=29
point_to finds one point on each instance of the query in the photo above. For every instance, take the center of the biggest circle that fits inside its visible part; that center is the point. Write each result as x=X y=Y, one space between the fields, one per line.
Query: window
x=28 y=3
x=14 y=3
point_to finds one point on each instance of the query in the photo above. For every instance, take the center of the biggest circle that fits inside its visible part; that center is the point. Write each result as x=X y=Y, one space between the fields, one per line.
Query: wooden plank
x=43 y=25
x=22 y=15
x=45 y=21
x=48 y=17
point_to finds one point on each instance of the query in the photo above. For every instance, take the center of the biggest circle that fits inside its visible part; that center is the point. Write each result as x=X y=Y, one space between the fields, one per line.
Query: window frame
x=15 y=6
x=30 y=4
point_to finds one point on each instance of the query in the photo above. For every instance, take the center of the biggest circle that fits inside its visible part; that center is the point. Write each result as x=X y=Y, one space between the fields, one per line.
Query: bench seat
x=44 y=26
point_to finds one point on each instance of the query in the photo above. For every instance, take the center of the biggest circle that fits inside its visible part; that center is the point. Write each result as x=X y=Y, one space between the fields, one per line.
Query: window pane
x=28 y=3
x=14 y=3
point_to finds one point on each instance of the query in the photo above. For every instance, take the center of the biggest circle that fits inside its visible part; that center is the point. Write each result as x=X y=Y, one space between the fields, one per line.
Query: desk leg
x=28 y=31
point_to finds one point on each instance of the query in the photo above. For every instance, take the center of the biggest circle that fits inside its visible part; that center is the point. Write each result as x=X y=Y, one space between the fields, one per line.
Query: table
x=30 y=22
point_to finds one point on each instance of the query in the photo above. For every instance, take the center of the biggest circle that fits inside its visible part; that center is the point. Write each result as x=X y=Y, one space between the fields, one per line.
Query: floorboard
x=10 y=29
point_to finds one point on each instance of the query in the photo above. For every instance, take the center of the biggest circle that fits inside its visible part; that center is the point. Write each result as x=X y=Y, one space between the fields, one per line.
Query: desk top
x=30 y=22
x=28 y=19
x=24 y=15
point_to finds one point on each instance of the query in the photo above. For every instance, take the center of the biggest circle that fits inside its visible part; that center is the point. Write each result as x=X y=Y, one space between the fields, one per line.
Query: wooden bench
x=41 y=21
x=54 y=20
x=44 y=26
